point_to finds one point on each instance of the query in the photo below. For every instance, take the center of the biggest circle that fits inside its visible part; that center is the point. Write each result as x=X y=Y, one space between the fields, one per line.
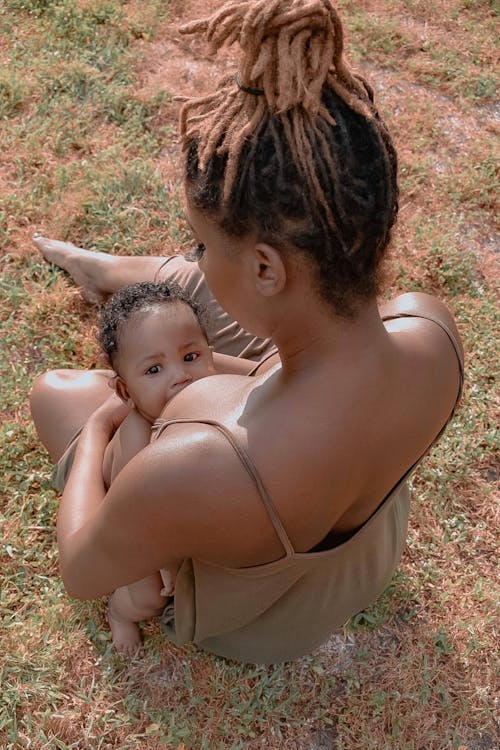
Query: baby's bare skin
x=127 y=636
x=146 y=598
x=157 y=355
x=127 y=605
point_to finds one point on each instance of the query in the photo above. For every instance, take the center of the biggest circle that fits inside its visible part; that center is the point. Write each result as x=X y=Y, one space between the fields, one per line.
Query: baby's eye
x=191 y=356
x=153 y=370
x=196 y=253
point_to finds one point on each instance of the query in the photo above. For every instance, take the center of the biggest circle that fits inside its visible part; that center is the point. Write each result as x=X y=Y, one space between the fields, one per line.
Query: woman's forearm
x=85 y=488
x=82 y=498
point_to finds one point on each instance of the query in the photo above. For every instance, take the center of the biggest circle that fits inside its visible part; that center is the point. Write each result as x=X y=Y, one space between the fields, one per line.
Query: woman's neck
x=318 y=335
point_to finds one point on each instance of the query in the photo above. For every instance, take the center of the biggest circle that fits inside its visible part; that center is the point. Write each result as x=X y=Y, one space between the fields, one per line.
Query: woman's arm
x=85 y=487
x=85 y=479
x=157 y=510
x=184 y=496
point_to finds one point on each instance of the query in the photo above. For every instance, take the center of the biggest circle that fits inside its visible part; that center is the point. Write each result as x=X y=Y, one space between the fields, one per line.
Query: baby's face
x=161 y=351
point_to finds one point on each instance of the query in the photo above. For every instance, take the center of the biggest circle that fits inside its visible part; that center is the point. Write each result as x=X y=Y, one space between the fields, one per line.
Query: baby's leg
x=129 y=605
x=97 y=274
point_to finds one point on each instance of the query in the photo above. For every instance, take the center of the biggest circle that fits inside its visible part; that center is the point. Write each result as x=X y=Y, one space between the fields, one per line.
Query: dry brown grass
x=415 y=672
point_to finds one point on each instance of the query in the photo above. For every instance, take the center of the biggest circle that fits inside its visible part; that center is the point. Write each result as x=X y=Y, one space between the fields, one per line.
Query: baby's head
x=156 y=343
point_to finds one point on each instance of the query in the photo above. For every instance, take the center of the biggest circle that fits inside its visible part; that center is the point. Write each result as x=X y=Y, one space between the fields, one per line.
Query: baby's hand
x=168 y=576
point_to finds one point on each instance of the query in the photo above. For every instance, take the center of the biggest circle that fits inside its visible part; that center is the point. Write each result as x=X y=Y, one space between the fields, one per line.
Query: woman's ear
x=269 y=269
x=121 y=391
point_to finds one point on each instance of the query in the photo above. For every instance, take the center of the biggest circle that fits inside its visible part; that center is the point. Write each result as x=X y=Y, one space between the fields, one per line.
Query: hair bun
x=291 y=55
x=289 y=48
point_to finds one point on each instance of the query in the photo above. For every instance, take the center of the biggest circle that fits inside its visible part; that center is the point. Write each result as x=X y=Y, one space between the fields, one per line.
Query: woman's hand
x=108 y=417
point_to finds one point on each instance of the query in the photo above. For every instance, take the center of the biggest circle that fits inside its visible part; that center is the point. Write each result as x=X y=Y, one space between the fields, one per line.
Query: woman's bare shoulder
x=426 y=307
x=428 y=364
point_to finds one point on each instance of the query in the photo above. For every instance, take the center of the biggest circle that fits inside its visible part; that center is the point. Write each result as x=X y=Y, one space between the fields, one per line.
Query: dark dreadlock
x=307 y=164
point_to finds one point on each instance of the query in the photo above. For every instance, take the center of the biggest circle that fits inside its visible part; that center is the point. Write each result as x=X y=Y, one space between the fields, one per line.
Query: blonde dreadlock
x=290 y=51
x=292 y=60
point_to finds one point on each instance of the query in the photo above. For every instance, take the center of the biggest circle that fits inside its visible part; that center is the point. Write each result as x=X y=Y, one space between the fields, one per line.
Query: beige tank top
x=287 y=608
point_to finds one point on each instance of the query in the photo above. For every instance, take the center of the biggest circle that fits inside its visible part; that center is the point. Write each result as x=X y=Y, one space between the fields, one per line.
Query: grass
x=423 y=36
x=86 y=136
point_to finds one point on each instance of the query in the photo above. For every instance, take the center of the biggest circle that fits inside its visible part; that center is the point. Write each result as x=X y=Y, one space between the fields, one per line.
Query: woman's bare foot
x=98 y=274
x=83 y=266
x=127 y=637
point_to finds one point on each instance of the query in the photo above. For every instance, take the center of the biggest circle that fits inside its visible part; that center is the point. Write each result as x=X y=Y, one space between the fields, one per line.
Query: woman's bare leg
x=61 y=402
x=97 y=274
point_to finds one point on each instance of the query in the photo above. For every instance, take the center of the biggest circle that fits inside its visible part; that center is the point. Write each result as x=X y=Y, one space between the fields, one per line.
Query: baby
x=156 y=344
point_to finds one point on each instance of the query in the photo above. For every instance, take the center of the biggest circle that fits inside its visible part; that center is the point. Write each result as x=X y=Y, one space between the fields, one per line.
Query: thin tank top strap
x=452 y=339
x=270 y=354
x=458 y=353
x=460 y=361
x=159 y=427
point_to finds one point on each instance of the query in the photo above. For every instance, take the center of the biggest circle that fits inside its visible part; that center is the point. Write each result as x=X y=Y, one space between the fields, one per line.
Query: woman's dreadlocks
x=304 y=160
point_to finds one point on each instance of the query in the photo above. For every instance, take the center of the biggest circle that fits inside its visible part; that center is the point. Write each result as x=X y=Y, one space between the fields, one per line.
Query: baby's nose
x=182 y=376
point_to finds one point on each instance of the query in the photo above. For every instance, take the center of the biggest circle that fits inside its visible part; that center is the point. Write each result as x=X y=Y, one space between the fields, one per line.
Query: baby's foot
x=82 y=265
x=127 y=638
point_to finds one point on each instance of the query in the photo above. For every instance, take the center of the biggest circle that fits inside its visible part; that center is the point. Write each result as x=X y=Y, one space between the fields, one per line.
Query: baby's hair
x=304 y=160
x=135 y=298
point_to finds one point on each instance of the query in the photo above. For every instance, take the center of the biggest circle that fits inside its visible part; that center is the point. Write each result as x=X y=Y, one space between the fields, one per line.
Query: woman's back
x=330 y=442
x=312 y=477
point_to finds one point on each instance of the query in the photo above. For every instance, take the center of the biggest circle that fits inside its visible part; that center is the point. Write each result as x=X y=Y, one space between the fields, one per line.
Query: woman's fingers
x=111 y=414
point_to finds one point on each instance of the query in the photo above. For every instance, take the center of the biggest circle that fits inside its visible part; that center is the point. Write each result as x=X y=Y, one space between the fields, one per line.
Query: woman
x=295 y=515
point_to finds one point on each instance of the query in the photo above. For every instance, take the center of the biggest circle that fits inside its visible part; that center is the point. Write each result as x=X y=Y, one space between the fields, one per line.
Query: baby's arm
x=131 y=437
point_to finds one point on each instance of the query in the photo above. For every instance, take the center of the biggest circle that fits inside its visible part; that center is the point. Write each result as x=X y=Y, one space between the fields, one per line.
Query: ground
x=89 y=154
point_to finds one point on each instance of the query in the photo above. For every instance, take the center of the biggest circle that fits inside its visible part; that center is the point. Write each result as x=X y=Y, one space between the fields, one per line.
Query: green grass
x=82 y=142
x=447 y=46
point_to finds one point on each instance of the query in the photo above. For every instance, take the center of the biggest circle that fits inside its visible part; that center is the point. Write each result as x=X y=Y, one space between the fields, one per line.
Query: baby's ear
x=121 y=390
